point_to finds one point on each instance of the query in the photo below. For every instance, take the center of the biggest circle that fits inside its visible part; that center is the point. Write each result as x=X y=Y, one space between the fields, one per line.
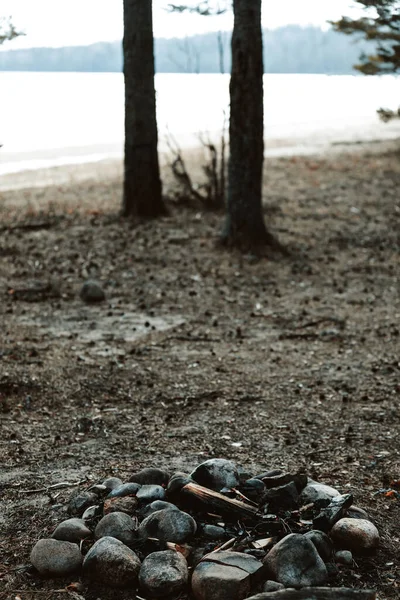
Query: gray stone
x=92 y=292
x=322 y=542
x=213 y=532
x=163 y=574
x=216 y=474
x=117 y=525
x=344 y=557
x=72 y=530
x=355 y=512
x=317 y=492
x=150 y=493
x=150 y=476
x=126 y=489
x=272 y=586
x=79 y=503
x=168 y=526
x=110 y=562
x=254 y=489
x=112 y=482
x=153 y=507
x=283 y=498
x=56 y=558
x=358 y=535
x=225 y=576
x=295 y=562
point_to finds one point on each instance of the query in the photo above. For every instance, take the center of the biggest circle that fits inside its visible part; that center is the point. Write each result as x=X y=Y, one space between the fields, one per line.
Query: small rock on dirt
x=163 y=574
x=56 y=558
x=92 y=292
x=344 y=557
x=358 y=535
x=125 y=489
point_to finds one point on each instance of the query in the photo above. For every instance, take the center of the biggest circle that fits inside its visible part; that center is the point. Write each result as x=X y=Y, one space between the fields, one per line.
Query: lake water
x=50 y=119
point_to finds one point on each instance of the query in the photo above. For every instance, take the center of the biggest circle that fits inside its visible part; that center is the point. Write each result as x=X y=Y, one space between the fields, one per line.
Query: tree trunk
x=142 y=195
x=244 y=224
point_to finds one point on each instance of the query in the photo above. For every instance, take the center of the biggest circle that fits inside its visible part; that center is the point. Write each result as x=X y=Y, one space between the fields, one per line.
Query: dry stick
x=55 y=486
x=317 y=593
x=219 y=502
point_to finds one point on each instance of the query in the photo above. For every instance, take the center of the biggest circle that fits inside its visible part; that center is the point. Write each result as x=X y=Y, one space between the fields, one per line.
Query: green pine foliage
x=381 y=26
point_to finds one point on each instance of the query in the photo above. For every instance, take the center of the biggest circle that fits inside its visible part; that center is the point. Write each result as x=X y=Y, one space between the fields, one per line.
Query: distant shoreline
x=112 y=168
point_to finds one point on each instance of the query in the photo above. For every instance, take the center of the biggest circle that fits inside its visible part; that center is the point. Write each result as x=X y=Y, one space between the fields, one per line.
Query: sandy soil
x=198 y=352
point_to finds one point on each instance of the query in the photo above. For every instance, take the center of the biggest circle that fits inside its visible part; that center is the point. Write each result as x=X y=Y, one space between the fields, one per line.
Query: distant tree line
x=289 y=49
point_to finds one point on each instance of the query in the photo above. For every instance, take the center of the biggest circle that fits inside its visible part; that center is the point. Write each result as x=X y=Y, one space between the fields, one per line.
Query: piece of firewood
x=219 y=503
x=317 y=593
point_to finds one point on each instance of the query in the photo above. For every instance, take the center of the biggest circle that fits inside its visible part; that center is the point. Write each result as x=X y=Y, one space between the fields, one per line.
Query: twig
x=55 y=486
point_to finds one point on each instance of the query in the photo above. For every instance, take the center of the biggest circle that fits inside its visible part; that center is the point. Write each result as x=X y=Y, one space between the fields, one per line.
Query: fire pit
x=218 y=533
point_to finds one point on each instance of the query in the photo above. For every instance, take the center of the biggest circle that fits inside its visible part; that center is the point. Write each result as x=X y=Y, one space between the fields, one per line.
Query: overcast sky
x=75 y=22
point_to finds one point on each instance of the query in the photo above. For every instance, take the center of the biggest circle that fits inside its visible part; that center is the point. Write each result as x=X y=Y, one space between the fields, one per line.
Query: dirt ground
x=200 y=352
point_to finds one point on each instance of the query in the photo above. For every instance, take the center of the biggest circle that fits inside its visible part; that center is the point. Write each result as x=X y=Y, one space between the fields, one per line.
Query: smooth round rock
x=295 y=562
x=56 y=558
x=153 y=507
x=112 y=482
x=110 y=562
x=92 y=292
x=72 y=530
x=355 y=512
x=213 y=532
x=168 y=526
x=163 y=574
x=225 y=575
x=126 y=504
x=358 y=535
x=150 y=476
x=117 y=525
x=150 y=493
x=322 y=542
x=272 y=586
x=317 y=492
x=344 y=557
x=216 y=474
x=79 y=503
x=126 y=489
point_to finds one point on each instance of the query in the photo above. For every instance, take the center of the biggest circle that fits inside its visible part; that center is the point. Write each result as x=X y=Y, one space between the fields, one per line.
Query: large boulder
x=226 y=575
x=295 y=562
x=163 y=574
x=111 y=562
x=56 y=558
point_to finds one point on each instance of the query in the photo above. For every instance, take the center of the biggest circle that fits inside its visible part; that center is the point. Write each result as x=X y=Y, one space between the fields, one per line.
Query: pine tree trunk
x=142 y=184
x=244 y=224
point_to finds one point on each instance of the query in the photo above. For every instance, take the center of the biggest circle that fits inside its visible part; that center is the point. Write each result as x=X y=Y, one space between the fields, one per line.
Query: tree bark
x=244 y=224
x=142 y=195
